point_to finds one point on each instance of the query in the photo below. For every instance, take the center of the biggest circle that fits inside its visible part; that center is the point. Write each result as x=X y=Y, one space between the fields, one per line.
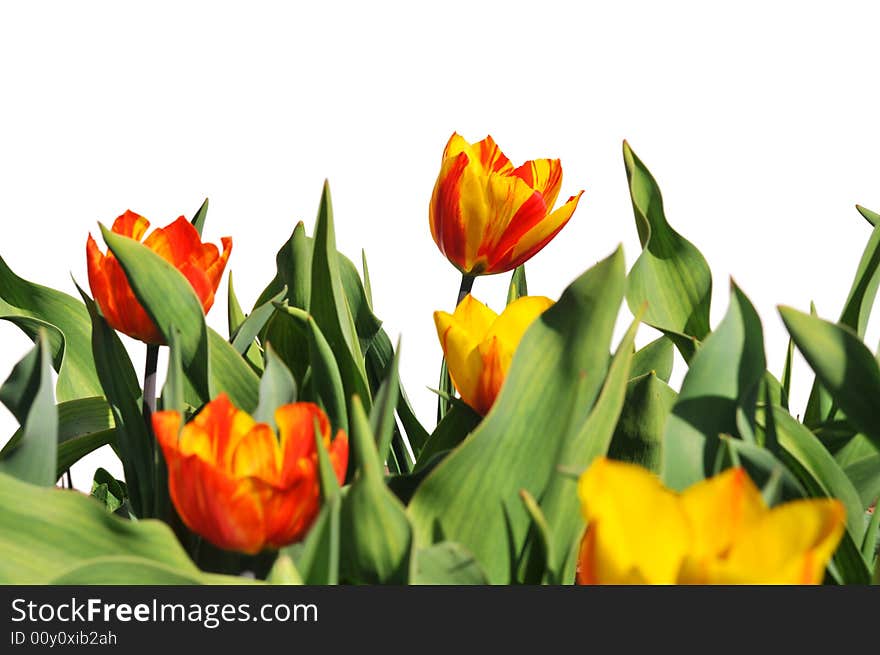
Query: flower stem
x=467 y=283
x=150 y=409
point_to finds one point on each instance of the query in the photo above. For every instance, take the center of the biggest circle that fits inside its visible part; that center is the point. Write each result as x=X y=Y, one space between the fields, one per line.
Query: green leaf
x=543 y=553
x=873 y=218
x=329 y=304
x=382 y=414
x=451 y=431
x=325 y=371
x=234 y=313
x=317 y=557
x=670 y=274
x=817 y=469
x=277 y=388
x=518 y=286
x=656 y=357
x=126 y=570
x=46 y=532
x=107 y=490
x=284 y=572
x=718 y=395
x=786 y=374
x=559 y=502
x=872 y=534
x=472 y=496
x=843 y=365
x=198 y=220
x=447 y=563
x=29 y=396
x=377 y=536
x=860 y=460
x=31 y=307
x=638 y=437
x=368 y=289
x=134 y=443
x=857 y=308
x=243 y=339
x=379 y=358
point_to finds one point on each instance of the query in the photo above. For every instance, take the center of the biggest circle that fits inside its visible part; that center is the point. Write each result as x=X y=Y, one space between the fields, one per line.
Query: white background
x=759 y=121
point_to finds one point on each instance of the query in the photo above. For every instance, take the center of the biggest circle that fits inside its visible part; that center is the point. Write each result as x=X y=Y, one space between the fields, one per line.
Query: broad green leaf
x=277 y=388
x=377 y=539
x=843 y=365
x=518 y=286
x=29 y=395
x=32 y=306
x=107 y=490
x=127 y=570
x=284 y=572
x=472 y=496
x=74 y=449
x=656 y=357
x=47 y=532
x=670 y=274
x=718 y=395
x=638 y=437
x=860 y=460
x=559 y=502
x=134 y=443
x=447 y=563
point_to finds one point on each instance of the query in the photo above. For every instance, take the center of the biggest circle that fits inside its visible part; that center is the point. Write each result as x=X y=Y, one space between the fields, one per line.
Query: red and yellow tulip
x=718 y=531
x=487 y=216
x=178 y=243
x=240 y=486
x=479 y=345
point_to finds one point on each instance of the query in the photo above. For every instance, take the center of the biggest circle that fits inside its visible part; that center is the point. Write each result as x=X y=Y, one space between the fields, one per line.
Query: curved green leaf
x=656 y=357
x=670 y=275
x=31 y=306
x=718 y=395
x=638 y=437
x=447 y=563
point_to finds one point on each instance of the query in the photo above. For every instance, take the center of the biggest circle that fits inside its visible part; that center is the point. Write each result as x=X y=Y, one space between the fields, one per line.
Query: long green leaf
x=472 y=497
x=638 y=437
x=718 y=395
x=844 y=366
x=670 y=275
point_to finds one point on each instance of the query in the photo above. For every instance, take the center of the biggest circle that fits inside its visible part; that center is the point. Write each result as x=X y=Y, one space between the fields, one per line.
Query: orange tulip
x=487 y=216
x=718 y=531
x=237 y=484
x=178 y=243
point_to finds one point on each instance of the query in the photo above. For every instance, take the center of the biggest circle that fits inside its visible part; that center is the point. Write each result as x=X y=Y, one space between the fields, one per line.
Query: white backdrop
x=759 y=122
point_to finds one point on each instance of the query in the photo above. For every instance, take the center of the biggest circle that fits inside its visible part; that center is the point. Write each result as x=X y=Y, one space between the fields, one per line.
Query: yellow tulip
x=479 y=345
x=718 y=531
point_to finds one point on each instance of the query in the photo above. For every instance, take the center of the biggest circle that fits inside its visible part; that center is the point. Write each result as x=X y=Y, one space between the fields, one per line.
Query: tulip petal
x=636 y=526
x=791 y=544
x=296 y=424
x=495 y=363
x=225 y=425
x=257 y=455
x=512 y=323
x=486 y=152
x=719 y=508
x=544 y=176
x=130 y=225
x=444 y=213
x=540 y=234
x=339 y=455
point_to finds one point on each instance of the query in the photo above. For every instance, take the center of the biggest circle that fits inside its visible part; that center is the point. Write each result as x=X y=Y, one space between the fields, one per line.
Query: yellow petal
x=790 y=544
x=543 y=232
x=637 y=527
x=257 y=455
x=512 y=323
x=719 y=508
x=460 y=334
x=195 y=440
x=485 y=152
